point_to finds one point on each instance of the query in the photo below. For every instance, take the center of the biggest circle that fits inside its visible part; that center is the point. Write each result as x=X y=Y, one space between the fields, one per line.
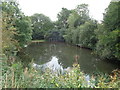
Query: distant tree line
x=73 y=26
x=77 y=27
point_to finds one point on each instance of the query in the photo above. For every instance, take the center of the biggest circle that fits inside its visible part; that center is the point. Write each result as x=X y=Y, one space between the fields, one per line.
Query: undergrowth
x=15 y=76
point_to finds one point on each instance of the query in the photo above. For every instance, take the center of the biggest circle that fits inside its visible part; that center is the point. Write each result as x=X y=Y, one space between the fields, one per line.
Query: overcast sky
x=51 y=8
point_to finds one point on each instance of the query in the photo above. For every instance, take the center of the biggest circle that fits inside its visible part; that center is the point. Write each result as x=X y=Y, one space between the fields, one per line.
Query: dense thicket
x=41 y=25
x=103 y=38
x=16 y=28
x=108 y=33
x=81 y=27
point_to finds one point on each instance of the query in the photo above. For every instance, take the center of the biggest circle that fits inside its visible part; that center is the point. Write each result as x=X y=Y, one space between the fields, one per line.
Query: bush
x=16 y=77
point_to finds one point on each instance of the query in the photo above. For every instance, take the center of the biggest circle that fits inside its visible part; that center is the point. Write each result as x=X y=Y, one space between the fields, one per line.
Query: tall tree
x=83 y=12
x=108 y=45
x=24 y=30
x=41 y=24
x=11 y=15
x=87 y=37
x=62 y=18
x=112 y=16
x=78 y=17
x=9 y=44
x=10 y=12
x=73 y=17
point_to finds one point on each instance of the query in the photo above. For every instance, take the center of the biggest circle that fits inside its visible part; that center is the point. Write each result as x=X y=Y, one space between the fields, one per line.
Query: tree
x=9 y=44
x=10 y=12
x=87 y=37
x=80 y=25
x=24 y=31
x=62 y=18
x=54 y=35
x=73 y=17
x=111 y=16
x=83 y=12
x=41 y=24
x=108 y=45
x=11 y=16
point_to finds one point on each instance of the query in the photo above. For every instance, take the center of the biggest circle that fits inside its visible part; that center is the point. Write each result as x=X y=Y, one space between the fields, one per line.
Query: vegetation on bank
x=73 y=26
x=15 y=76
x=77 y=27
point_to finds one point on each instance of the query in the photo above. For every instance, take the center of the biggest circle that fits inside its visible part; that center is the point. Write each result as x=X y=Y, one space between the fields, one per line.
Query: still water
x=63 y=55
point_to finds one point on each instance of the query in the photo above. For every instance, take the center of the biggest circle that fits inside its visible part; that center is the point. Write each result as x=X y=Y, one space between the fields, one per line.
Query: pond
x=64 y=55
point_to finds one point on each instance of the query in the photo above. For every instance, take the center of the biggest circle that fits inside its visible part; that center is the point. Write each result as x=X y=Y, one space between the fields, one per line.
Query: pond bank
x=38 y=41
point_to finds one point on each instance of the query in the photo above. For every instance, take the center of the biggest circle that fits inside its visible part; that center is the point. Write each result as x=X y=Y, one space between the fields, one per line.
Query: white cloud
x=52 y=7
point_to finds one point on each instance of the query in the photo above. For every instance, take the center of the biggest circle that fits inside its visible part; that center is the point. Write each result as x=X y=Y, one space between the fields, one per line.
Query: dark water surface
x=44 y=52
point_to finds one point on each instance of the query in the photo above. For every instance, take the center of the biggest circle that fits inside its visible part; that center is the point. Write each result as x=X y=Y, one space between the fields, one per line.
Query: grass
x=38 y=41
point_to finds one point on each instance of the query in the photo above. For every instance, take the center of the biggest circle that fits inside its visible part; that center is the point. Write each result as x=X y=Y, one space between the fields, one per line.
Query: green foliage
x=9 y=44
x=75 y=18
x=111 y=16
x=16 y=77
x=62 y=18
x=108 y=33
x=41 y=24
x=72 y=19
x=24 y=31
x=16 y=28
x=104 y=37
x=108 y=45
x=83 y=12
x=68 y=35
x=76 y=27
x=54 y=35
x=87 y=36
x=12 y=9
x=81 y=28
